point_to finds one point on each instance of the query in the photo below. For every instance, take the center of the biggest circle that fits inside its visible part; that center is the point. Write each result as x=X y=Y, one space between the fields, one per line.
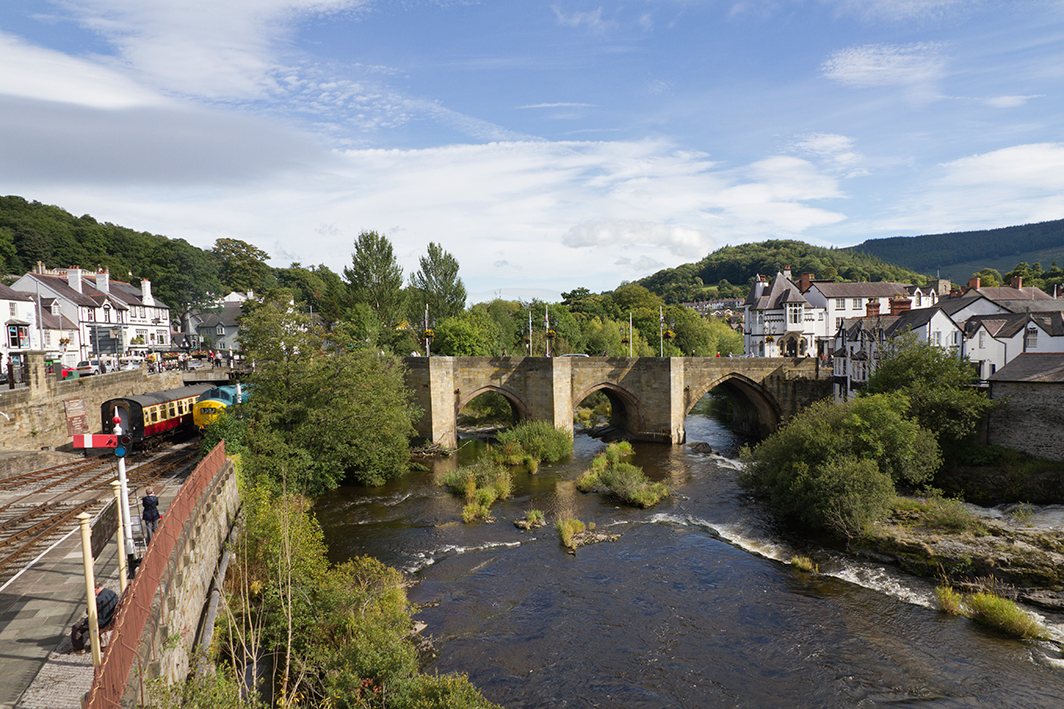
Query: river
x=694 y=606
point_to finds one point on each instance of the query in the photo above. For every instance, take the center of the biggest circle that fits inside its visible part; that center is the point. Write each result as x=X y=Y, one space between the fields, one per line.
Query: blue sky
x=547 y=145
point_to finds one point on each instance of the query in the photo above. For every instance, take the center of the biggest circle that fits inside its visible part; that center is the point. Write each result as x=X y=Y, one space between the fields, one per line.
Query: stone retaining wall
x=1030 y=418
x=35 y=417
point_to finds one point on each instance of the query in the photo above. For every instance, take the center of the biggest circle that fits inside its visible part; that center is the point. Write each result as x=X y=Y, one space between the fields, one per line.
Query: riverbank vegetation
x=992 y=610
x=610 y=473
x=530 y=443
x=318 y=634
x=482 y=483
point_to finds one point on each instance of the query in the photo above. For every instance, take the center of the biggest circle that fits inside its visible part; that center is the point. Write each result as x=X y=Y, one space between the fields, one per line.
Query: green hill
x=727 y=272
x=958 y=255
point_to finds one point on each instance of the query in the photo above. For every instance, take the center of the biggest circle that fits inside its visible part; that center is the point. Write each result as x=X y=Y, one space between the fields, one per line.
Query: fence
x=157 y=570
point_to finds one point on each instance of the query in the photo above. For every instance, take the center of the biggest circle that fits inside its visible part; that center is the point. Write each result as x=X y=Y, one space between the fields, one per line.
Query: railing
x=157 y=570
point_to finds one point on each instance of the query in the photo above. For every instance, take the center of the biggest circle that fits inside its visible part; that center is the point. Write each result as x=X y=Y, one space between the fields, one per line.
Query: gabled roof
x=1032 y=367
x=781 y=291
x=1010 y=324
x=1007 y=293
x=60 y=287
x=133 y=295
x=950 y=306
x=911 y=320
x=226 y=316
x=8 y=293
x=1035 y=306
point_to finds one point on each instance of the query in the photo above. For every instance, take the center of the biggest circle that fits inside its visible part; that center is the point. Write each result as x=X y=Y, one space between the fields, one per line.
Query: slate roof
x=1005 y=293
x=1009 y=324
x=1032 y=367
x=120 y=294
x=226 y=316
x=781 y=291
x=9 y=293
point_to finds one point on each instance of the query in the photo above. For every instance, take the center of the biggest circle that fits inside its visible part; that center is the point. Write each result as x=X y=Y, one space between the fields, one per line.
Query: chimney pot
x=872 y=308
x=973 y=283
x=1017 y=282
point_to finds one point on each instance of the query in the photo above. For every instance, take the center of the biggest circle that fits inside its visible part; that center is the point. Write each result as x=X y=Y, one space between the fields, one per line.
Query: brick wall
x=34 y=417
x=1030 y=418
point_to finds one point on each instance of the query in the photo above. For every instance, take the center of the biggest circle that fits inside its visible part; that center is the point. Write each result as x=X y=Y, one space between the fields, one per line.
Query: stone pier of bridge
x=650 y=396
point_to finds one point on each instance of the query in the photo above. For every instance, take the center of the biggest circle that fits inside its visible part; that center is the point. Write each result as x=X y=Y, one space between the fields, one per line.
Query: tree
x=939 y=386
x=183 y=277
x=375 y=278
x=241 y=266
x=834 y=466
x=326 y=407
x=437 y=285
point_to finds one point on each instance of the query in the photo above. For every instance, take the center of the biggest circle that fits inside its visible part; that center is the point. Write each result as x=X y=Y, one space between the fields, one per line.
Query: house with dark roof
x=113 y=318
x=1030 y=414
x=779 y=321
x=992 y=341
x=21 y=332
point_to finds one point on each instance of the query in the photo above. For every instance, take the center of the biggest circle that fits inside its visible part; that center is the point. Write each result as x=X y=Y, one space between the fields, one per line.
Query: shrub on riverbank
x=834 y=466
x=340 y=634
x=991 y=610
x=481 y=483
x=610 y=474
x=567 y=527
x=538 y=440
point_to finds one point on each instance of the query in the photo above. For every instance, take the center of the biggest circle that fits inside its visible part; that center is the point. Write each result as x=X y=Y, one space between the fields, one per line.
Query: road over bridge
x=650 y=396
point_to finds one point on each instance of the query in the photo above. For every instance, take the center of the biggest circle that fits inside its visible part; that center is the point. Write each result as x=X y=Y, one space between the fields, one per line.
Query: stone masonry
x=1030 y=418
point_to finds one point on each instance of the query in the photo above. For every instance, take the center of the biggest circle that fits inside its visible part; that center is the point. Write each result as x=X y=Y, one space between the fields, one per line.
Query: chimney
x=1017 y=282
x=872 y=308
x=145 y=292
x=805 y=282
x=787 y=272
x=973 y=283
x=899 y=304
x=74 y=278
x=103 y=280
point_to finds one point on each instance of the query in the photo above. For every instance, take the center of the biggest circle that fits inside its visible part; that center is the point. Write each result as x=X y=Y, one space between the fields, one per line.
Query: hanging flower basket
x=428 y=334
x=551 y=334
x=625 y=340
x=64 y=341
x=669 y=335
x=525 y=339
x=770 y=338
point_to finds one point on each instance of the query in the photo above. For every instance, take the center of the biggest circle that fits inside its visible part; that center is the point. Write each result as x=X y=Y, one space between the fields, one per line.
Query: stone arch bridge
x=650 y=396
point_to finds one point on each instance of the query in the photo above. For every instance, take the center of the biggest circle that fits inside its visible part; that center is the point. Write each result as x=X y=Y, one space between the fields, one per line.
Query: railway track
x=39 y=507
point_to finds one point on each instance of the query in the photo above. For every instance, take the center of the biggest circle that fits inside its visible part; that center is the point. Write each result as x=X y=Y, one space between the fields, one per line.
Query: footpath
x=37 y=608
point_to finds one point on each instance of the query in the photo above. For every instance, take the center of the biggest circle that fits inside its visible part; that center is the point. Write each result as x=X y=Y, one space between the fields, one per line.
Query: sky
x=546 y=145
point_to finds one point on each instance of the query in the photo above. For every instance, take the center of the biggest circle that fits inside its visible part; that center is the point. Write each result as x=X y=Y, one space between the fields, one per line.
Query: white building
x=992 y=341
x=21 y=333
x=778 y=319
x=111 y=317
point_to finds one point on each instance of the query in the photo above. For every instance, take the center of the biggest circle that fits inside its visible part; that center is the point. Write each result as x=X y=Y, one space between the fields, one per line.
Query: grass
x=482 y=484
x=991 y=610
x=568 y=526
x=534 y=517
x=610 y=474
x=804 y=563
x=938 y=512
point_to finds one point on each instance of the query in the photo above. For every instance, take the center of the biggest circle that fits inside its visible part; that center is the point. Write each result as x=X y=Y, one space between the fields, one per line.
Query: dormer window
x=794 y=313
x=220 y=330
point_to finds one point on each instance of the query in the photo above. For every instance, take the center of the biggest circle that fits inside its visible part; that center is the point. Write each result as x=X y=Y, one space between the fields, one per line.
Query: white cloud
x=676 y=239
x=899 y=10
x=915 y=66
x=592 y=20
x=834 y=150
x=202 y=48
x=1010 y=101
x=42 y=74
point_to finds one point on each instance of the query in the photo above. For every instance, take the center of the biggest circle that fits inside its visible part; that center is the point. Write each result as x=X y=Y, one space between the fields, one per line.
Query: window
x=220 y=330
x=856 y=303
x=14 y=309
x=937 y=338
x=760 y=318
x=1030 y=339
x=838 y=323
x=919 y=298
x=840 y=304
x=794 y=313
x=982 y=340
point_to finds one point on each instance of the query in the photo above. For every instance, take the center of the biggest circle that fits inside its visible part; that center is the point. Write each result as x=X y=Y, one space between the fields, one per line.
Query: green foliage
x=216 y=689
x=241 y=266
x=481 y=483
x=1000 y=613
x=938 y=386
x=437 y=692
x=568 y=526
x=325 y=408
x=949 y=600
x=436 y=285
x=487 y=408
x=610 y=474
x=937 y=512
x=470 y=334
x=230 y=427
x=834 y=466
x=539 y=440
x=376 y=278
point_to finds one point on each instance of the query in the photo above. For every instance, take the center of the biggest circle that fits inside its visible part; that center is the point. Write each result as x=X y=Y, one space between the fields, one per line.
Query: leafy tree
x=939 y=387
x=325 y=407
x=241 y=266
x=834 y=466
x=376 y=278
x=183 y=277
x=322 y=290
x=437 y=285
x=988 y=278
x=472 y=334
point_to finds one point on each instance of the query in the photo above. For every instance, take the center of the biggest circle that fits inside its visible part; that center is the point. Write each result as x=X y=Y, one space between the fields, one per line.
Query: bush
x=437 y=692
x=481 y=483
x=834 y=466
x=949 y=600
x=539 y=439
x=610 y=474
x=568 y=526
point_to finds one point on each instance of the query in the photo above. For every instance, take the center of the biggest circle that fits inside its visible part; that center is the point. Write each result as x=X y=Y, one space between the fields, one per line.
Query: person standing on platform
x=150 y=516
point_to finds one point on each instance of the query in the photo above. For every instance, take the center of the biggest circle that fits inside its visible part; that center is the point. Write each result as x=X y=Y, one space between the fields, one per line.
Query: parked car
x=88 y=367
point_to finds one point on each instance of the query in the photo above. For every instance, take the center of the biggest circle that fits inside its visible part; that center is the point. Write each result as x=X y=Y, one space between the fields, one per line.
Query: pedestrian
x=106 y=602
x=150 y=515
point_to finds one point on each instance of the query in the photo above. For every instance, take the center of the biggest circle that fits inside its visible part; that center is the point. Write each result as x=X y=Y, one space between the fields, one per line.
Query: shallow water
x=694 y=606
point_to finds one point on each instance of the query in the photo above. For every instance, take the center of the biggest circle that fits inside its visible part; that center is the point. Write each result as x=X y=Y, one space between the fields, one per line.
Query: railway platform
x=37 y=608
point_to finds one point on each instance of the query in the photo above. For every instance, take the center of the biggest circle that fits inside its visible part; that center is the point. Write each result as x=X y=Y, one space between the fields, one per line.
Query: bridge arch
x=626 y=412
x=756 y=409
x=517 y=407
